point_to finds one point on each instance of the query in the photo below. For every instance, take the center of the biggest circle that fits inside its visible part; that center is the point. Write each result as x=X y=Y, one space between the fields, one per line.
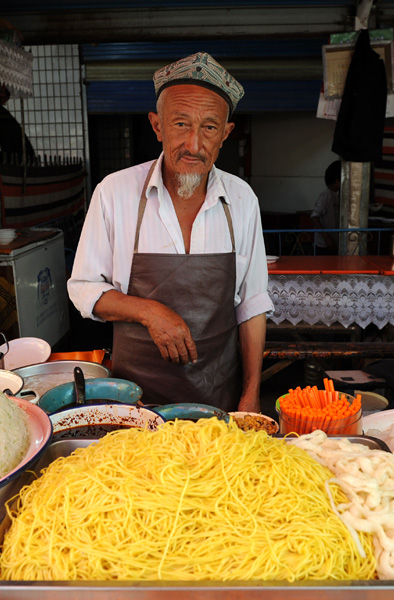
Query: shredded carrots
x=308 y=409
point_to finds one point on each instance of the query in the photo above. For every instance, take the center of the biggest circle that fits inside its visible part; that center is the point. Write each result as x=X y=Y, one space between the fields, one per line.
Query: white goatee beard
x=187 y=184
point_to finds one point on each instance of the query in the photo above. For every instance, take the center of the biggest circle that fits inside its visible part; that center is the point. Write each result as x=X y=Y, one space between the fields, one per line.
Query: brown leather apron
x=200 y=288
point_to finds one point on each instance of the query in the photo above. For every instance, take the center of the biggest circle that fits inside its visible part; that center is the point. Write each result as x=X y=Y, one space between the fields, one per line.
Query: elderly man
x=172 y=252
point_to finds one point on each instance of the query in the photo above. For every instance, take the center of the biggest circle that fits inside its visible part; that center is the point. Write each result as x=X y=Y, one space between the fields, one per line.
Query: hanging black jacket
x=358 y=135
x=11 y=136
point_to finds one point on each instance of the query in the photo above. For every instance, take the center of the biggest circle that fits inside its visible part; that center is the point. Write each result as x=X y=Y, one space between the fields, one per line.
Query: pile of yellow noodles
x=192 y=501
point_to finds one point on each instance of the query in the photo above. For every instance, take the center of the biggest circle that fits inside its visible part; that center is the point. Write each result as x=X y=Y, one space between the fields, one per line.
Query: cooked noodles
x=14 y=434
x=191 y=501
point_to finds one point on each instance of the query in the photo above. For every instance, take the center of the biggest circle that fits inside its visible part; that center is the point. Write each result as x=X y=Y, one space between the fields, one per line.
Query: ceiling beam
x=257 y=69
x=168 y=24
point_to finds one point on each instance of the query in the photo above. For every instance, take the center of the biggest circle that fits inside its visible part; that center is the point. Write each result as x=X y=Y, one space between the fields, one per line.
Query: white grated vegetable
x=14 y=434
x=367 y=478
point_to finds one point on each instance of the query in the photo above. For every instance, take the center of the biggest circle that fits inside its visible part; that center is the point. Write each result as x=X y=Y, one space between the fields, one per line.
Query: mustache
x=190 y=155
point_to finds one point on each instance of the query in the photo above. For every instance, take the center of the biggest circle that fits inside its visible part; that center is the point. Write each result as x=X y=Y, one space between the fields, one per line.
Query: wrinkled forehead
x=188 y=98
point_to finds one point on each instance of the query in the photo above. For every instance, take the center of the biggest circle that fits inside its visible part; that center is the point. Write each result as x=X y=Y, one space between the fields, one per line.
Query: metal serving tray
x=164 y=590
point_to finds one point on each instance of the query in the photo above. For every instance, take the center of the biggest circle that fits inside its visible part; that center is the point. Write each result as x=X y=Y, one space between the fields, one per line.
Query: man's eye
x=211 y=127
x=180 y=124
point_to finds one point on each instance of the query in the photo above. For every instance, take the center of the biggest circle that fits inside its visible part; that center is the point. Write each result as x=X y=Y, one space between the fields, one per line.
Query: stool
x=359 y=382
x=351 y=380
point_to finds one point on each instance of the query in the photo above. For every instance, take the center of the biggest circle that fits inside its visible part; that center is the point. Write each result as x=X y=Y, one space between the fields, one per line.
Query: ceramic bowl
x=25 y=351
x=40 y=436
x=241 y=414
x=97 y=420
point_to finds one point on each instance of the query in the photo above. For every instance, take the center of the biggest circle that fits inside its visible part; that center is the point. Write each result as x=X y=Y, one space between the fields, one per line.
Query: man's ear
x=227 y=130
x=156 y=125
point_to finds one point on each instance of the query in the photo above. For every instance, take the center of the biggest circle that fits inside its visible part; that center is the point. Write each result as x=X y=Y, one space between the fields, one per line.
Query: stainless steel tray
x=39 y=378
x=321 y=590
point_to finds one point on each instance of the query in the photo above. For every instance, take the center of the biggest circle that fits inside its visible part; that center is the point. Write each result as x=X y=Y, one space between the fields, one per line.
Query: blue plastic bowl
x=191 y=412
x=106 y=388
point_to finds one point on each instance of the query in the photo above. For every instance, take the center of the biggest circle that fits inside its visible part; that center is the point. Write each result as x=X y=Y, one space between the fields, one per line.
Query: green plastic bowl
x=277 y=403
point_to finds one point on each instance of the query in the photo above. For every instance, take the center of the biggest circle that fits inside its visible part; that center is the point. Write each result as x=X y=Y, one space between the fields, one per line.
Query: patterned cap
x=200 y=69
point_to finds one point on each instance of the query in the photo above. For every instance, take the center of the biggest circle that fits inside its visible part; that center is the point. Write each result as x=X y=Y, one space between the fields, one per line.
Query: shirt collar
x=156 y=179
x=215 y=188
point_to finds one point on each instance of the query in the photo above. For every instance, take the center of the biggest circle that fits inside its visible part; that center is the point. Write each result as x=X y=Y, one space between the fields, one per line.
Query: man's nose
x=193 y=140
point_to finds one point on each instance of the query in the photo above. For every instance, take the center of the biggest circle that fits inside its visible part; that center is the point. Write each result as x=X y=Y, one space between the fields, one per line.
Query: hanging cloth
x=358 y=135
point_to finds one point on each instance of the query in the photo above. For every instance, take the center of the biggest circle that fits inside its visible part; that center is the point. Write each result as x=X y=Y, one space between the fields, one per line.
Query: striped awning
x=50 y=193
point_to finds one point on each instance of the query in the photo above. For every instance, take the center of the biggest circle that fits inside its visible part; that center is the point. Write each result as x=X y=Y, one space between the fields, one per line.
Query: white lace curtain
x=344 y=299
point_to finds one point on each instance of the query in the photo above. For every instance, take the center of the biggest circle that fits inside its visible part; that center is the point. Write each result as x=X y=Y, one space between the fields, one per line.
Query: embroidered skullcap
x=200 y=69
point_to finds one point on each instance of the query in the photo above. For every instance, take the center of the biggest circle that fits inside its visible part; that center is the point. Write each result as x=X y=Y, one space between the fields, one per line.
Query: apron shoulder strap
x=142 y=206
x=229 y=222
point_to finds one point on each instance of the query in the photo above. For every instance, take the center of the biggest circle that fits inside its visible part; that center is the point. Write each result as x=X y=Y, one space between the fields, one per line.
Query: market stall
x=205 y=509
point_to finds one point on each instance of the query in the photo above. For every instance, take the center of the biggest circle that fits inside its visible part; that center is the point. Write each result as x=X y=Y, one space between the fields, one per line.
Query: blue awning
x=260 y=96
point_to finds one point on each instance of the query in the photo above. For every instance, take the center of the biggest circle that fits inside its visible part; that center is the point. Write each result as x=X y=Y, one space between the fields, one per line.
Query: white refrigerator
x=33 y=286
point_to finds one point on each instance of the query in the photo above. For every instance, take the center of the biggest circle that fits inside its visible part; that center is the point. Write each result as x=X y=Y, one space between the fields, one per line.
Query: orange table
x=385 y=264
x=323 y=264
x=294 y=264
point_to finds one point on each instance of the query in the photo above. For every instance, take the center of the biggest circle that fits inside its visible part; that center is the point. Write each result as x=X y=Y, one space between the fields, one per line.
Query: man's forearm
x=252 y=341
x=116 y=306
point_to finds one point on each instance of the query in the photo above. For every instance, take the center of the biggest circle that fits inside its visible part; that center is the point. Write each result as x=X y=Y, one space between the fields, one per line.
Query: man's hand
x=167 y=329
x=170 y=334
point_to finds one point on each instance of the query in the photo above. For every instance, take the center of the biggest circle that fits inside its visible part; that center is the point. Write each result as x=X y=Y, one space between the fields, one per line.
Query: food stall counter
x=322 y=264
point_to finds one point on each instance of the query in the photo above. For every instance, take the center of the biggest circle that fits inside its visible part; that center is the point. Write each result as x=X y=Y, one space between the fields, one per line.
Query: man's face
x=192 y=126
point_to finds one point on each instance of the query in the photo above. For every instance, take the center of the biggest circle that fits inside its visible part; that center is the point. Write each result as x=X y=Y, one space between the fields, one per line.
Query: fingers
x=171 y=335
x=182 y=353
x=191 y=349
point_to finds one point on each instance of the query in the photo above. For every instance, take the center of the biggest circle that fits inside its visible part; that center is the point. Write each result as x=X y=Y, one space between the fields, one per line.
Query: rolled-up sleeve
x=252 y=297
x=92 y=272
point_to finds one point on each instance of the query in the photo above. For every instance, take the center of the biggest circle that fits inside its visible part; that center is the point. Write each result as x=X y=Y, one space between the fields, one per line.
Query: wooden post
x=355 y=194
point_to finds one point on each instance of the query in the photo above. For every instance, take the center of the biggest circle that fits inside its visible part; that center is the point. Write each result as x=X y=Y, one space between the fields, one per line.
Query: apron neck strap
x=142 y=206
x=229 y=221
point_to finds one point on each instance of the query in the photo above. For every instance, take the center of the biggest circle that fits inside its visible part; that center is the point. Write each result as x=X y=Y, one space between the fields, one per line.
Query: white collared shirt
x=104 y=255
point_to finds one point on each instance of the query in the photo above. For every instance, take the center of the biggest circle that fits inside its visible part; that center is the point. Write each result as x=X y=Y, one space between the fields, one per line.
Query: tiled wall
x=54 y=115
